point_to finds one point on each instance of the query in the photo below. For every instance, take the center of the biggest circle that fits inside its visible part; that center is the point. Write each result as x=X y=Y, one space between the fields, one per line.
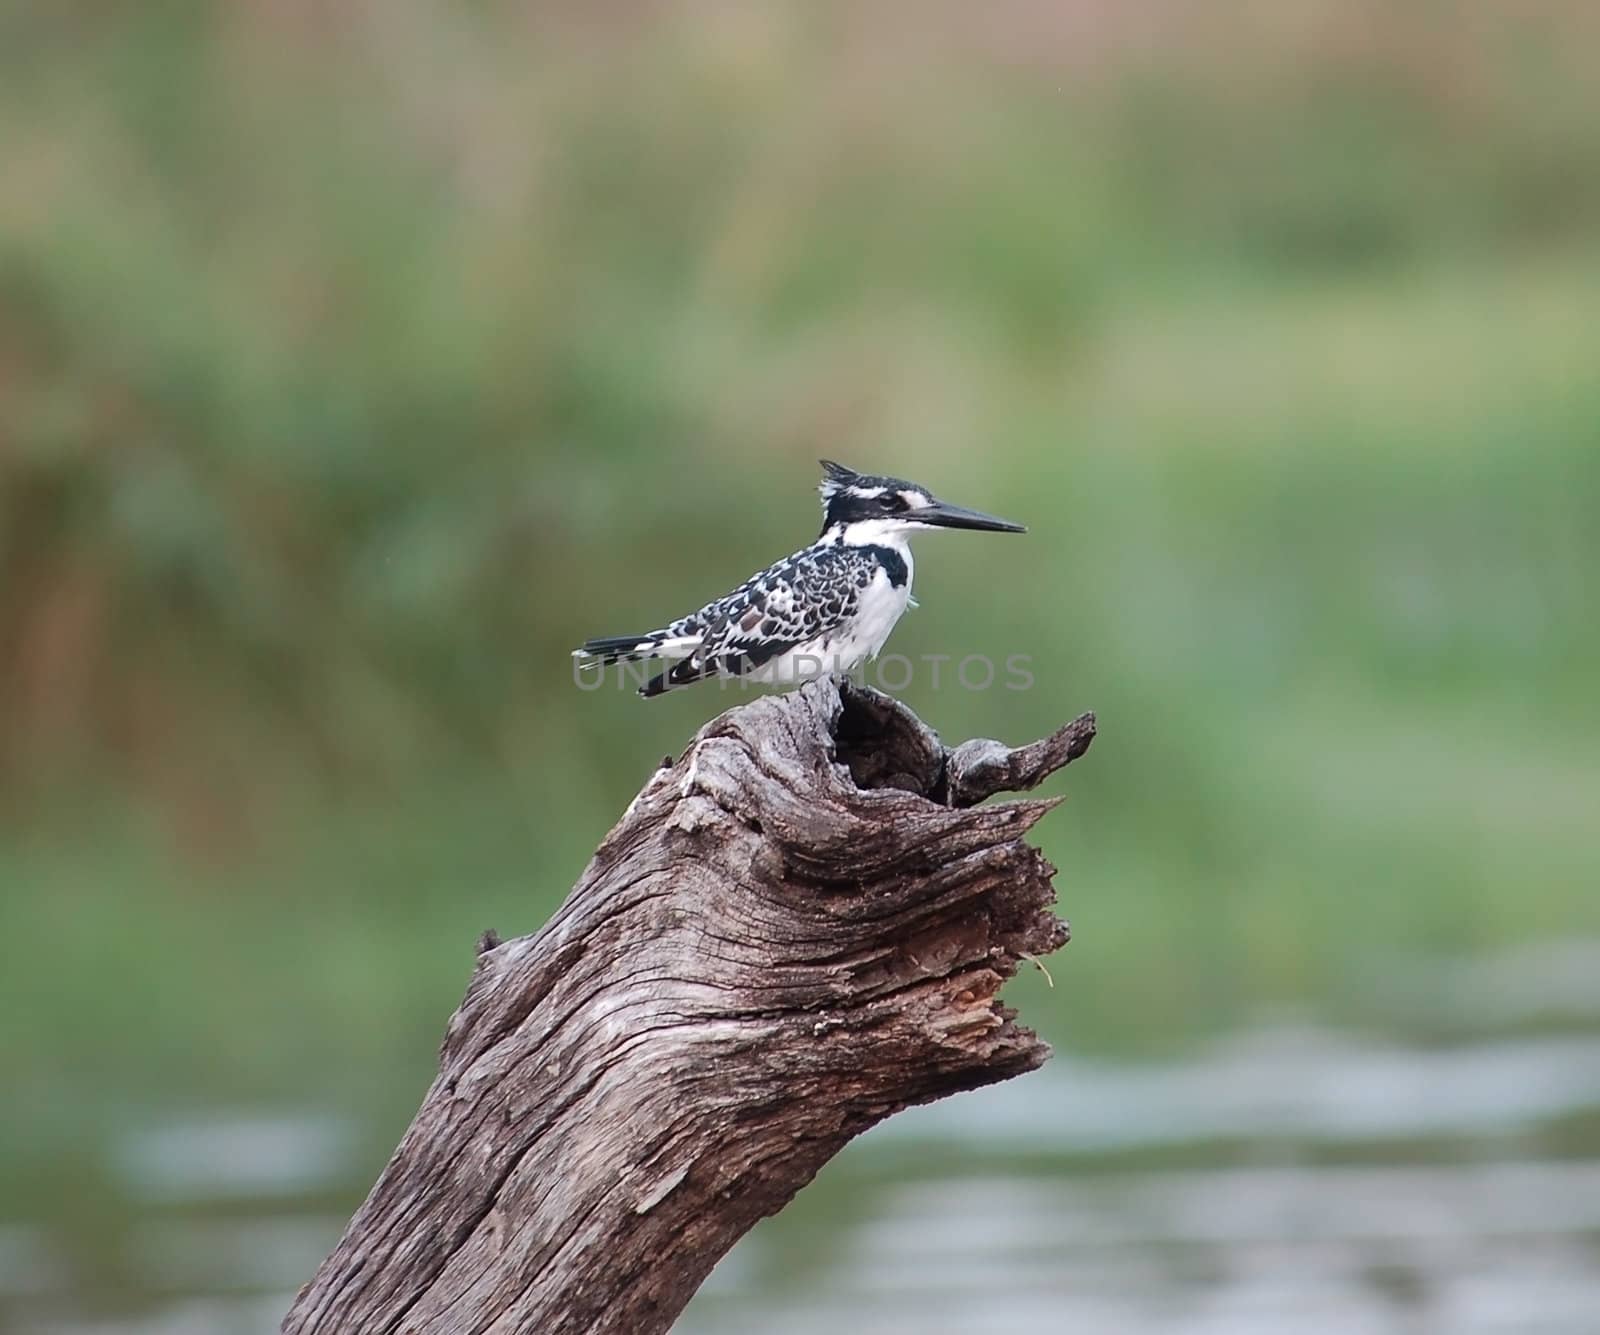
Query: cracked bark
x=795 y=930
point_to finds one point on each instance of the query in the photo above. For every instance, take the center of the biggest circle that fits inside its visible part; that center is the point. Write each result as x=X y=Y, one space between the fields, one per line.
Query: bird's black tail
x=611 y=649
x=681 y=673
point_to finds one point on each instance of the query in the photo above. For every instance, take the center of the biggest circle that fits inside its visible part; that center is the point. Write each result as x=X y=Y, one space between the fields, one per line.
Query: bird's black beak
x=940 y=515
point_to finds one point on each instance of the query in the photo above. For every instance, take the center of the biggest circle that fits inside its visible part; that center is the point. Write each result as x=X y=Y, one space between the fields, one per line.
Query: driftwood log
x=795 y=930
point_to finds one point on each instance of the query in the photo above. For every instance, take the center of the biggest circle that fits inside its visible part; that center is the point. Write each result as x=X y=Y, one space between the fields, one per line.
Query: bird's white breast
x=849 y=645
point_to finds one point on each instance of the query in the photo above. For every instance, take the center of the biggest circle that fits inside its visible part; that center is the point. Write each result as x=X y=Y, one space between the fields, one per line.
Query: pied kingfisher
x=826 y=609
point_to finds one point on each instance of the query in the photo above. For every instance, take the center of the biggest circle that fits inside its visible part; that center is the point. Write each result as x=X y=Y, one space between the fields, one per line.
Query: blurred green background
x=356 y=361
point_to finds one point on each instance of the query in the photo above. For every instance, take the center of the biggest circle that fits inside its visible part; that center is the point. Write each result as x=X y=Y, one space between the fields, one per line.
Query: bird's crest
x=835 y=477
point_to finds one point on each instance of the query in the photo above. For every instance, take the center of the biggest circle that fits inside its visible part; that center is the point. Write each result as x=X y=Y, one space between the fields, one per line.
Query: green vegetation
x=352 y=369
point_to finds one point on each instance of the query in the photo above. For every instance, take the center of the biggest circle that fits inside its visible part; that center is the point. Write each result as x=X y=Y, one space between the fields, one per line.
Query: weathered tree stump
x=794 y=931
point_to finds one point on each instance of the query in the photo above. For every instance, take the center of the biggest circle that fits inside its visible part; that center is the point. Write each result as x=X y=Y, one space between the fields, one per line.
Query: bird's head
x=861 y=508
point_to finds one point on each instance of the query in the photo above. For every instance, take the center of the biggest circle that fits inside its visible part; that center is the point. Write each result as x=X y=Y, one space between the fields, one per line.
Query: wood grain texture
x=795 y=930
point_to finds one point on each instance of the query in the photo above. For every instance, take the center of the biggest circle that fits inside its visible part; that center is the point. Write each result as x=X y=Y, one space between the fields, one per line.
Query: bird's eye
x=892 y=502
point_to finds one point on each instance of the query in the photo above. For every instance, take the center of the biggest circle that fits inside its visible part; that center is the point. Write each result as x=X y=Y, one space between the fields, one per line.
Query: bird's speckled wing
x=796 y=601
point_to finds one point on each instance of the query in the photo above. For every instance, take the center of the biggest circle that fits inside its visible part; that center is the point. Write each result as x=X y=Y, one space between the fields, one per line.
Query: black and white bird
x=824 y=610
